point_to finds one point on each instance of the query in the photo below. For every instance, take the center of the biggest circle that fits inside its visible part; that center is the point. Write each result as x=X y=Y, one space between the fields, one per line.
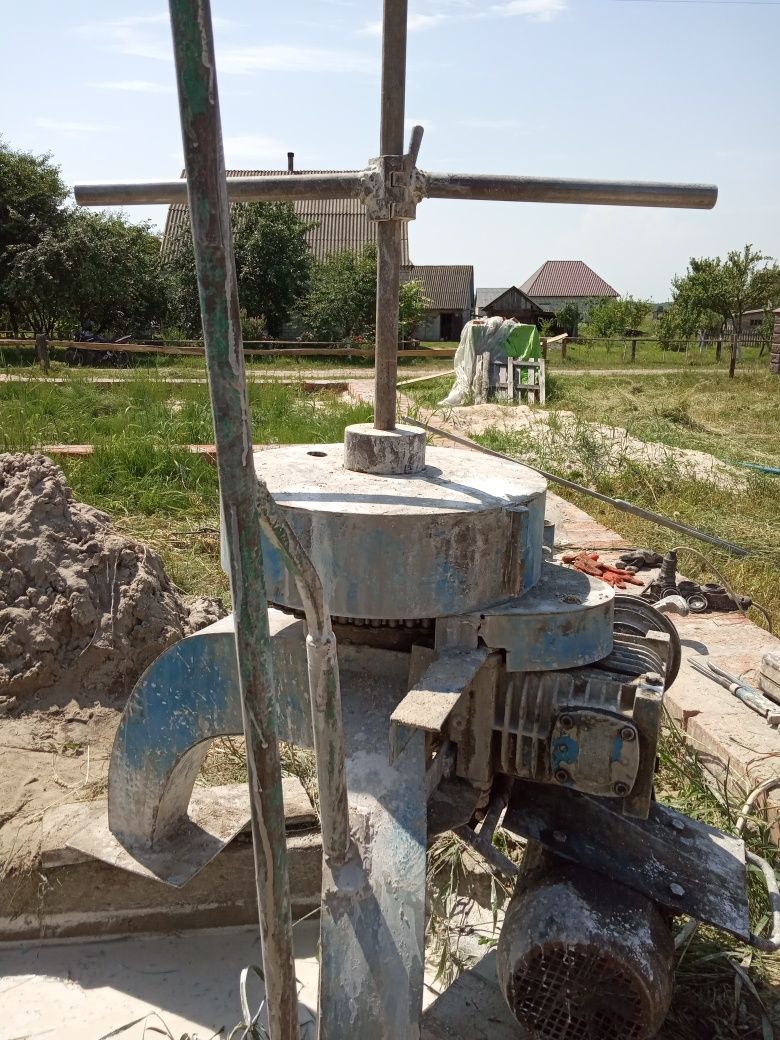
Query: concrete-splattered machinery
x=397 y=609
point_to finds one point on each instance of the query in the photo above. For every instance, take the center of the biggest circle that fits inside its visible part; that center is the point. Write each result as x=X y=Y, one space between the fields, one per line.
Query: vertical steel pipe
x=212 y=240
x=391 y=142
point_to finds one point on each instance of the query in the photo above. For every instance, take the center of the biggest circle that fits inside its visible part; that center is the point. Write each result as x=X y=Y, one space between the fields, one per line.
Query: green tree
x=745 y=280
x=272 y=266
x=341 y=302
x=32 y=195
x=89 y=268
x=613 y=317
x=568 y=318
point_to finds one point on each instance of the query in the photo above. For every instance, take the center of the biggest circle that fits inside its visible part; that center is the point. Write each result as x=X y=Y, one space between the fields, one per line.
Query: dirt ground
x=560 y=429
x=83 y=611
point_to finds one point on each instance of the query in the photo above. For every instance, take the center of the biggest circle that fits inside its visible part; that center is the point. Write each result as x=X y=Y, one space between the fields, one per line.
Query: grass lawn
x=140 y=473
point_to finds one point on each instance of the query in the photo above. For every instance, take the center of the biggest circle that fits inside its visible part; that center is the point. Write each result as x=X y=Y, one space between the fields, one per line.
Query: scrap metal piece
x=676 y=861
x=754 y=699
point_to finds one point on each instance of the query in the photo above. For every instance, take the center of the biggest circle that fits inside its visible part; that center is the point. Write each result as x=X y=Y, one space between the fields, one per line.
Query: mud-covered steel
x=272 y=188
x=324 y=684
x=193 y=44
x=388 y=232
x=490 y=188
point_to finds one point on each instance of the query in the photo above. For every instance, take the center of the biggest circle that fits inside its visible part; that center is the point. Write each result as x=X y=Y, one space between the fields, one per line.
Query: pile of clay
x=83 y=608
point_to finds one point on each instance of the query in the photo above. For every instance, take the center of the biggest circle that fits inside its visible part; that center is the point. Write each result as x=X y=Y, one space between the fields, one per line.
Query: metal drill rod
x=554 y=189
x=193 y=43
x=388 y=232
x=478 y=187
x=275 y=188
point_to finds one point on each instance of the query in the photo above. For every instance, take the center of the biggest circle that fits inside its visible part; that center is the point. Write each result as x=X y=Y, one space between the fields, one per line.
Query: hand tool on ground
x=749 y=695
x=393 y=610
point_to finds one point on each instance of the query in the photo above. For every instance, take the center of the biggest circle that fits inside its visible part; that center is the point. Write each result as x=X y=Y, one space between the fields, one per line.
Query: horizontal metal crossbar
x=484 y=187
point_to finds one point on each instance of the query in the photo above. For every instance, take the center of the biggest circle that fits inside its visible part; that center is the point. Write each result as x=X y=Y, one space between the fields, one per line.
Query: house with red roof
x=558 y=282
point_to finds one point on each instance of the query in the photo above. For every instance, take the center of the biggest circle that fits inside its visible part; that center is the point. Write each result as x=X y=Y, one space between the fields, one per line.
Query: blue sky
x=636 y=89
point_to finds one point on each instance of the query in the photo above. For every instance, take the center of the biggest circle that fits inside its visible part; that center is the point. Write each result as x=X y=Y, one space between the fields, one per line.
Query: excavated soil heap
x=83 y=609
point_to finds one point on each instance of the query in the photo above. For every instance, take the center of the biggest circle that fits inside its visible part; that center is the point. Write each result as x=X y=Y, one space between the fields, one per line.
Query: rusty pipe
x=388 y=232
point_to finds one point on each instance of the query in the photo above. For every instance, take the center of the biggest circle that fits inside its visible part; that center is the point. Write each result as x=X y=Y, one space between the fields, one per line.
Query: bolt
x=628 y=733
x=566 y=722
x=561 y=776
x=678 y=824
x=562 y=747
x=560 y=836
x=676 y=890
x=620 y=789
x=457 y=723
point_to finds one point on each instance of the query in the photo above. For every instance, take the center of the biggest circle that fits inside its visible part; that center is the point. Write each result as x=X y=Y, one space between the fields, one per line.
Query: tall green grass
x=78 y=412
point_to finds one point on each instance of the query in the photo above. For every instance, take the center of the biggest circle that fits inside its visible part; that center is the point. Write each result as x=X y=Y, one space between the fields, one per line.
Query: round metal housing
x=580 y=958
x=463 y=533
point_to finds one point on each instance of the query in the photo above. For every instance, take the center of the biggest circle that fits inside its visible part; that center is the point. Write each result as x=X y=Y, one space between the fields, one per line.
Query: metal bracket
x=392 y=185
x=682 y=864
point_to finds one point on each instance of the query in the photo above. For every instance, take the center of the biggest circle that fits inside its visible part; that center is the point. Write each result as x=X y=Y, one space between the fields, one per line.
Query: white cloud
x=69 y=129
x=254 y=146
x=490 y=124
x=537 y=10
x=131 y=36
x=136 y=86
x=286 y=58
x=414 y=23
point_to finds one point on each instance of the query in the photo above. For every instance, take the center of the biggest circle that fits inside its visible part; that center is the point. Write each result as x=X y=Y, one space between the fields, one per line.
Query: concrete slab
x=187 y=983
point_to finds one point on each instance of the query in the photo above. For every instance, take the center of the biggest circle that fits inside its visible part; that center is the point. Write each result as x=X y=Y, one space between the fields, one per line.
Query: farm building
x=558 y=282
x=449 y=288
x=338 y=224
x=342 y=224
x=509 y=303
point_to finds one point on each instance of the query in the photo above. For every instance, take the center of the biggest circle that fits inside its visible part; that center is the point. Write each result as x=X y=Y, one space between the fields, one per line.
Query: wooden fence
x=194 y=348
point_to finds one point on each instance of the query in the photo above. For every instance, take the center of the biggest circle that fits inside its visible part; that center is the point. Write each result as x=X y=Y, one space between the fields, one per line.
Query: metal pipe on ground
x=616 y=503
x=193 y=43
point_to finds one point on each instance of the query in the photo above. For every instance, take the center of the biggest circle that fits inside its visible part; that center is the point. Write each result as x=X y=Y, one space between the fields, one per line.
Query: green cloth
x=523 y=342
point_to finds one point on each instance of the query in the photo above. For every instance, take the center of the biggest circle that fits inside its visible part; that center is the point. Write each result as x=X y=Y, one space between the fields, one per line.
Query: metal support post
x=213 y=244
x=388 y=272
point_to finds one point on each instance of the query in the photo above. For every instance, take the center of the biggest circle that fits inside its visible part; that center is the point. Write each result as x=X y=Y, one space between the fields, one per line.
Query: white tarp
x=478 y=337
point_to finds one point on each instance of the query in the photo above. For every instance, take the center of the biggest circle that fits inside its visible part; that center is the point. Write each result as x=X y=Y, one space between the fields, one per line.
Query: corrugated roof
x=447 y=286
x=486 y=296
x=340 y=223
x=566 y=278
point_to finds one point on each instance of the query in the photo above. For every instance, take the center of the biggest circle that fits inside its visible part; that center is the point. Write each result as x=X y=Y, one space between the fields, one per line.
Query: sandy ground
x=53 y=754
